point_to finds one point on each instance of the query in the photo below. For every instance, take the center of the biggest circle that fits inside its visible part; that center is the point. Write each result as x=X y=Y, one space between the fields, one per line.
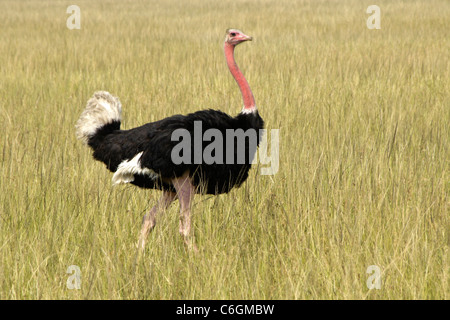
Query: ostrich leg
x=149 y=221
x=185 y=192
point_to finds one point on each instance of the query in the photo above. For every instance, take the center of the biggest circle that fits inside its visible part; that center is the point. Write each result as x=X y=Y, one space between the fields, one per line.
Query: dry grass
x=364 y=127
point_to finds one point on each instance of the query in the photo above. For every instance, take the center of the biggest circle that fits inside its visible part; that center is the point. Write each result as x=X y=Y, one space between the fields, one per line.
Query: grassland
x=363 y=177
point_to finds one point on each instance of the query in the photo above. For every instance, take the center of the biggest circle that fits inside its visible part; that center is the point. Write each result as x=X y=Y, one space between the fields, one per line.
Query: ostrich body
x=143 y=156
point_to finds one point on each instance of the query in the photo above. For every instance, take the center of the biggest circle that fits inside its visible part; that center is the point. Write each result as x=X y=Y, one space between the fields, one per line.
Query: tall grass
x=363 y=177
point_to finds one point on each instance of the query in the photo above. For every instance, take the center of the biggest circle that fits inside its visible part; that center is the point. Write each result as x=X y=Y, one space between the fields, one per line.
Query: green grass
x=363 y=177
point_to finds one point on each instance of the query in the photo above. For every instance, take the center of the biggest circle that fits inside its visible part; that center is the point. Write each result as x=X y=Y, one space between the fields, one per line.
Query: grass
x=363 y=176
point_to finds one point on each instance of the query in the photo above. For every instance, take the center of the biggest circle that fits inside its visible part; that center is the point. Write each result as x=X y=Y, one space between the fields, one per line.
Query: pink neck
x=247 y=95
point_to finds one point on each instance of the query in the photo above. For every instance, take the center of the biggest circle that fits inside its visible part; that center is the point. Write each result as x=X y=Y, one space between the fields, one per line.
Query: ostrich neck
x=247 y=95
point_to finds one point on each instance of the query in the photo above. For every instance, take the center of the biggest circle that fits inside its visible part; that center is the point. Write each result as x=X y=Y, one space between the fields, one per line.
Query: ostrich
x=143 y=156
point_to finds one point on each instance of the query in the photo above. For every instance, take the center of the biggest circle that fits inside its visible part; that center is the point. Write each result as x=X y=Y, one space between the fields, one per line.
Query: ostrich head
x=235 y=36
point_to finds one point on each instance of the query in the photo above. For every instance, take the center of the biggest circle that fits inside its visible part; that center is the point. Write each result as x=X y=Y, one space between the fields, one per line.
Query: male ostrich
x=142 y=156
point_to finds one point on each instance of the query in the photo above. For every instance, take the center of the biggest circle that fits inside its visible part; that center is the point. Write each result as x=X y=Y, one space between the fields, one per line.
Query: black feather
x=112 y=146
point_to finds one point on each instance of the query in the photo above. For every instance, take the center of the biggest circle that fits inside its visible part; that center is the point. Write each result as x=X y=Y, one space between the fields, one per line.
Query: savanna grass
x=363 y=175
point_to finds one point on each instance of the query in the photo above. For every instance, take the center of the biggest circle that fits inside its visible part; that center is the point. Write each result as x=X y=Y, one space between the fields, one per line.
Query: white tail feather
x=128 y=168
x=101 y=109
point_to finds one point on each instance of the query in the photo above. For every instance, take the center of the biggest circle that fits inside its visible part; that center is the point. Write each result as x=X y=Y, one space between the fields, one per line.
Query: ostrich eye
x=233 y=34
